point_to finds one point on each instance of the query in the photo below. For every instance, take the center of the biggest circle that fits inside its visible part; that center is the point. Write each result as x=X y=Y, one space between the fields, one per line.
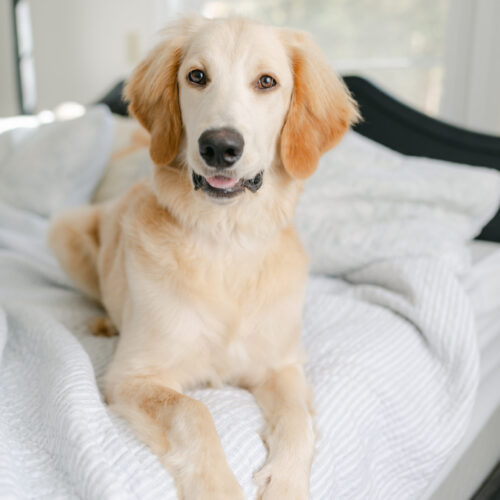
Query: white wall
x=471 y=92
x=8 y=96
x=83 y=47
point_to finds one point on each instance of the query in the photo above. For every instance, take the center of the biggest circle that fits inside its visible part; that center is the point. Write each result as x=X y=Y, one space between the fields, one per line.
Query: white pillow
x=45 y=167
x=368 y=202
x=129 y=162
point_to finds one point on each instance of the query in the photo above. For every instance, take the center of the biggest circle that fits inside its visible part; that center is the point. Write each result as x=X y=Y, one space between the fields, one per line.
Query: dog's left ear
x=152 y=91
x=321 y=108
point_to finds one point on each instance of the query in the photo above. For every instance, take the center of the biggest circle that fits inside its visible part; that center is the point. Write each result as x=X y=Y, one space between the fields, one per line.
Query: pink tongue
x=220 y=182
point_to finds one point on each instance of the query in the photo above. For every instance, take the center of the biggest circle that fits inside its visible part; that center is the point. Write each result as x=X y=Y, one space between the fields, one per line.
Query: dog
x=200 y=268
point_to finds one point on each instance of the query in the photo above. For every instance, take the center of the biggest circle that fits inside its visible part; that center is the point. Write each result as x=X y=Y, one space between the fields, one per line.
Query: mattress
x=479 y=451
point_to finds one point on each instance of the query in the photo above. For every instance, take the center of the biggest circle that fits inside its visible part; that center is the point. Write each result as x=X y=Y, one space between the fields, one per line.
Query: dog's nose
x=221 y=147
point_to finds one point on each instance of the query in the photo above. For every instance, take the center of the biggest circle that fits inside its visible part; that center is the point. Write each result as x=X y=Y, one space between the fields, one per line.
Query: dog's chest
x=215 y=313
x=231 y=289
x=234 y=311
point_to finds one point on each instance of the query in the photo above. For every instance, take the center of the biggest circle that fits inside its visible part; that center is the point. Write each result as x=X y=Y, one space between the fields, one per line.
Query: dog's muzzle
x=224 y=187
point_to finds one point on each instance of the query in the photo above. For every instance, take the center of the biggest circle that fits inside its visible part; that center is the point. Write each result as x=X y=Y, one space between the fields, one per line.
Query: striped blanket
x=392 y=353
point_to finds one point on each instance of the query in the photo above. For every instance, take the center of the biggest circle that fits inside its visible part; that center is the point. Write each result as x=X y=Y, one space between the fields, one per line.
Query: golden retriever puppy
x=200 y=268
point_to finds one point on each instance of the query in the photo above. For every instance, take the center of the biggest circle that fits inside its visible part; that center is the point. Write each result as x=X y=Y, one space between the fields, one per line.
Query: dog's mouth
x=220 y=186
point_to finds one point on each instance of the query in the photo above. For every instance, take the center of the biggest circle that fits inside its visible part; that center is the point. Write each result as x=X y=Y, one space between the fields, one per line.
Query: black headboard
x=400 y=127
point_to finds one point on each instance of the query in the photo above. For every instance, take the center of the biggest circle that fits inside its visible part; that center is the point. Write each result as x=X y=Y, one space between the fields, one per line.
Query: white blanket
x=393 y=364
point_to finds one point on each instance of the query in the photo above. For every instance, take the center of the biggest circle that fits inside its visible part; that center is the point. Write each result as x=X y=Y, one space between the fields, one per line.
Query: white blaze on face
x=234 y=54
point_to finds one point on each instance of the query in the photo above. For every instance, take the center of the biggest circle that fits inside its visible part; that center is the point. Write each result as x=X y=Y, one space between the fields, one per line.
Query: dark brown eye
x=197 y=77
x=266 y=82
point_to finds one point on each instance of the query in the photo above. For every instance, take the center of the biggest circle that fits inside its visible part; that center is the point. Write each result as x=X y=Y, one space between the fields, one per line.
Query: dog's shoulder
x=139 y=213
x=146 y=228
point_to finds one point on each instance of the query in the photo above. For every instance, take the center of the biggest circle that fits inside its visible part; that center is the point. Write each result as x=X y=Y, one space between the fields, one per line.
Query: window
x=398 y=44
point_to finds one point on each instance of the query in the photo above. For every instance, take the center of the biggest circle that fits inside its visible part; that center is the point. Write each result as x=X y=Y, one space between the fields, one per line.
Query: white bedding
x=393 y=364
x=479 y=450
x=394 y=358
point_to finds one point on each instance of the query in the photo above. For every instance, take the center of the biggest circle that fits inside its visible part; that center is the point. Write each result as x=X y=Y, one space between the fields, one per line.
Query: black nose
x=221 y=147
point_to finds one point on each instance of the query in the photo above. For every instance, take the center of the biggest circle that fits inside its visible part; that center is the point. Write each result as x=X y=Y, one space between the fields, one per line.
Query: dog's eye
x=266 y=82
x=197 y=77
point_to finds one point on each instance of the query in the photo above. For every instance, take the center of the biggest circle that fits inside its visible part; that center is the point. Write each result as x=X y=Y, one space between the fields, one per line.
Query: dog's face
x=235 y=84
x=233 y=99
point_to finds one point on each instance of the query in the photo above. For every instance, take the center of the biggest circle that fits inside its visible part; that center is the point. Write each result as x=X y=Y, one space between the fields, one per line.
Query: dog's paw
x=279 y=483
x=103 y=327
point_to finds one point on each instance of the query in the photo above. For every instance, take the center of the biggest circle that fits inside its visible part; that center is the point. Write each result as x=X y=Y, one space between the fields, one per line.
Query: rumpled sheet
x=393 y=363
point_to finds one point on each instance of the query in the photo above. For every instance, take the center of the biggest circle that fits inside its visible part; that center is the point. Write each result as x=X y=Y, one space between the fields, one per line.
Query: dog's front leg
x=181 y=431
x=285 y=400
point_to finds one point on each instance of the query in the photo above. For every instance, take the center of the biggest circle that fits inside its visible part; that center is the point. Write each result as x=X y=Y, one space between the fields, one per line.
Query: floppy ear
x=321 y=108
x=153 y=94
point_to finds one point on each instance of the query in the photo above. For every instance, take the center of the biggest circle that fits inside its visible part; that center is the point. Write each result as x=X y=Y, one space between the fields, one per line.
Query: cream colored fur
x=210 y=293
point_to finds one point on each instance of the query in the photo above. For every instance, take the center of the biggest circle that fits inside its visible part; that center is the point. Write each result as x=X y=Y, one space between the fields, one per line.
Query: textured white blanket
x=393 y=363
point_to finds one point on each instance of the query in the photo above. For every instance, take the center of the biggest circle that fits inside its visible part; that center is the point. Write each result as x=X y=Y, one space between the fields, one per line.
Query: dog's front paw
x=281 y=483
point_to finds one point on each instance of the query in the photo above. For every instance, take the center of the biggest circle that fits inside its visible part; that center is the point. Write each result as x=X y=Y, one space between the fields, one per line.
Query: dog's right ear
x=153 y=95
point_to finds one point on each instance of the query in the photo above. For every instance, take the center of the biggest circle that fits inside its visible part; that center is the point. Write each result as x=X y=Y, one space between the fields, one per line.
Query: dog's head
x=233 y=99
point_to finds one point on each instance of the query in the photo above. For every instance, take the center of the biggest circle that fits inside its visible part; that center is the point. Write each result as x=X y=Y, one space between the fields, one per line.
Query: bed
x=383 y=434
x=472 y=471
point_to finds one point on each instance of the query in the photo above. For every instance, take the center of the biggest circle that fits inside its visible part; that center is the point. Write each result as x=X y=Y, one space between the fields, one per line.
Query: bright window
x=398 y=44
